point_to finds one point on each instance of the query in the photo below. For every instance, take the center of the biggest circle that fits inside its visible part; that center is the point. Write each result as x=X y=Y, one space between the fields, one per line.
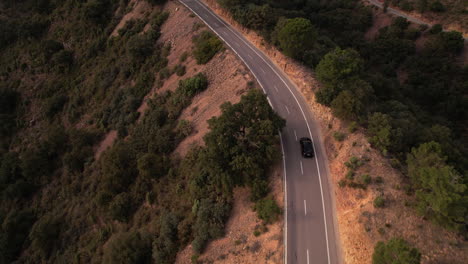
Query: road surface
x=311 y=236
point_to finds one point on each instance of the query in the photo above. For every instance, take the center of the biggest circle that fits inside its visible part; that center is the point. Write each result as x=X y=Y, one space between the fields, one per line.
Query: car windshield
x=307 y=146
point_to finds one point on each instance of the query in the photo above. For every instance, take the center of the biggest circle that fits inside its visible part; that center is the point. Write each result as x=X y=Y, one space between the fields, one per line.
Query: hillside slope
x=102 y=104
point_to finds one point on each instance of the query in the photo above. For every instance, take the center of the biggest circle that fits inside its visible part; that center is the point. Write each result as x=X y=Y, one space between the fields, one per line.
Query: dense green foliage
x=64 y=82
x=206 y=46
x=439 y=187
x=295 y=36
x=129 y=247
x=395 y=251
x=403 y=96
x=267 y=210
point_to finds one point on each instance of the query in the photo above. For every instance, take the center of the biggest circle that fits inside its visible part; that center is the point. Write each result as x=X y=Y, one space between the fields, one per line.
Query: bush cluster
x=206 y=46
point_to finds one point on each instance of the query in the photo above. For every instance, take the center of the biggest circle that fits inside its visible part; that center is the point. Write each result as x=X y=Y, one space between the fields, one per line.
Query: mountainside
x=107 y=154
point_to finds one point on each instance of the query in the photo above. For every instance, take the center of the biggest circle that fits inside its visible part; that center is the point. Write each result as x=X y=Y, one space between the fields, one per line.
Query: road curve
x=310 y=224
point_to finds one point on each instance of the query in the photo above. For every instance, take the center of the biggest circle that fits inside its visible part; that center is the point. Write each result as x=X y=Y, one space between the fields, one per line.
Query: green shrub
x=165 y=73
x=379 y=201
x=121 y=207
x=184 y=56
x=395 y=251
x=437 y=6
x=436 y=29
x=14 y=233
x=152 y=166
x=44 y=235
x=159 y=18
x=191 y=86
x=352 y=127
x=342 y=183
x=267 y=210
x=118 y=167
x=54 y=105
x=206 y=46
x=210 y=222
x=132 y=27
x=184 y=129
x=259 y=189
x=295 y=36
x=350 y=175
x=366 y=179
x=180 y=70
x=129 y=247
x=353 y=163
x=406 y=6
x=165 y=247
x=338 y=136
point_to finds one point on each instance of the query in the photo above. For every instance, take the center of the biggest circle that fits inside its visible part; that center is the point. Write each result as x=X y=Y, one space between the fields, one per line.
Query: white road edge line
x=269 y=102
x=305 y=207
x=295 y=135
x=285 y=200
x=297 y=101
x=302 y=169
x=307 y=256
x=287 y=109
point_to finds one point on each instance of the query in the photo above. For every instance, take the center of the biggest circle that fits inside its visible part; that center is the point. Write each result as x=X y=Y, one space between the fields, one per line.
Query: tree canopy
x=440 y=190
x=296 y=36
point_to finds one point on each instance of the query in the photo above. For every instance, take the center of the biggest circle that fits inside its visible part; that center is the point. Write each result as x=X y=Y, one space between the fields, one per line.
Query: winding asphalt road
x=311 y=236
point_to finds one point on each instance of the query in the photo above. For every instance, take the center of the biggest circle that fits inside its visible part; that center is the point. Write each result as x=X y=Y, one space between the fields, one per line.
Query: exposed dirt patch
x=105 y=143
x=361 y=225
x=240 y=245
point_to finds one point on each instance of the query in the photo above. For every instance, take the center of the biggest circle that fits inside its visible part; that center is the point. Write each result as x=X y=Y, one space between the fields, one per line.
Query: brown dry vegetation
x=360 y=224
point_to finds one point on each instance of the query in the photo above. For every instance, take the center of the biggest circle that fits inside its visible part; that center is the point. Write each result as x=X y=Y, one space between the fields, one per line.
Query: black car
x=306 y=147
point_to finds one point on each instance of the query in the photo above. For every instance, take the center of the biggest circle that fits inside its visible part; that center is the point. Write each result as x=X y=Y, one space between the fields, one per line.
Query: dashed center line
x=250 y=56
x=307 y=256
x=263 y=70
x=302 y=169
x=287 y=109
x=305 y=207
x=295 y=135
x=276 y=88
x=237 y=44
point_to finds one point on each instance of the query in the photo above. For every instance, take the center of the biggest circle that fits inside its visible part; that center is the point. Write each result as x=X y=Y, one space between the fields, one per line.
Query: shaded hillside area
x=73 y=75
